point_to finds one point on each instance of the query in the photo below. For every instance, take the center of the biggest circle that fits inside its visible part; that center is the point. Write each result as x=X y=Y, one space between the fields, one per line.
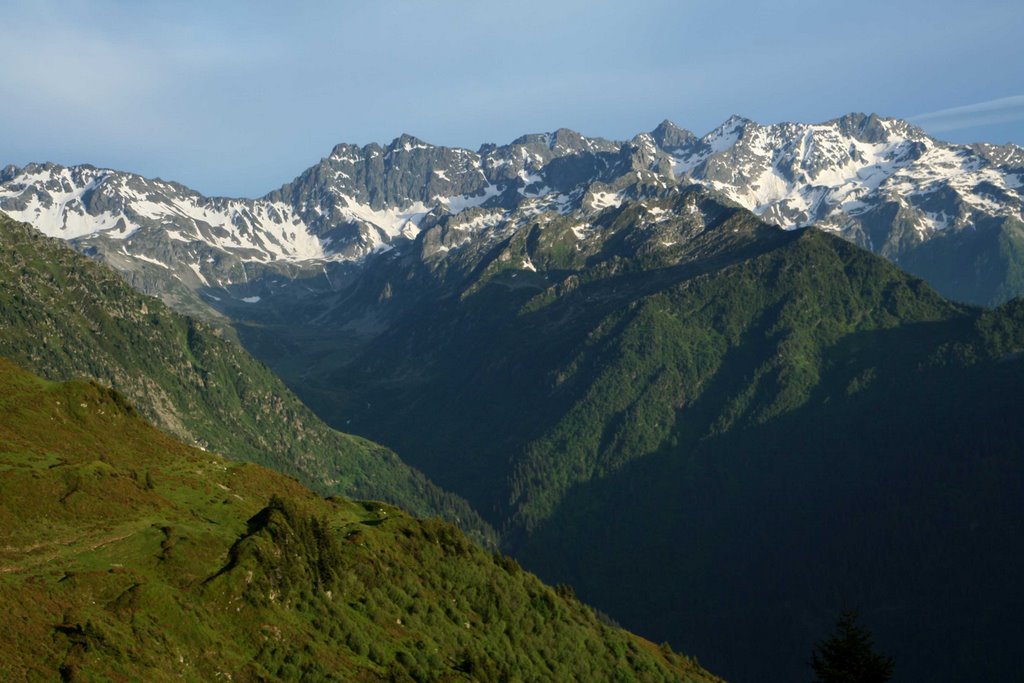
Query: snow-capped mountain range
x=881 y=183
x=838 y=174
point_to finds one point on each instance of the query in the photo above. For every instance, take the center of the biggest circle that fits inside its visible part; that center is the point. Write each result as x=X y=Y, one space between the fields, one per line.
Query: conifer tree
x=848 y=655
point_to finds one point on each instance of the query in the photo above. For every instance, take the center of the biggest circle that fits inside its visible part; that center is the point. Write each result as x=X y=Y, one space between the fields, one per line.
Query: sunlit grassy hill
x=125 y=555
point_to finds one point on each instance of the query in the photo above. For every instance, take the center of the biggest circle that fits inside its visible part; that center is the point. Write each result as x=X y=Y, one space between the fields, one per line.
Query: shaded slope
x=896 y=488
x=984 y=265
x=550 y=378
x=751 y=426
x=125 y=555
x=64 y=316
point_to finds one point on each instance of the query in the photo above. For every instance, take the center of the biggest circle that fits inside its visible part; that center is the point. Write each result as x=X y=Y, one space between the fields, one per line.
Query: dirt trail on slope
x=77 y=545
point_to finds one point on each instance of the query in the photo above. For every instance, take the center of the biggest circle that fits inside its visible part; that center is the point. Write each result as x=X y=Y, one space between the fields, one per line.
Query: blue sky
x=237 y=98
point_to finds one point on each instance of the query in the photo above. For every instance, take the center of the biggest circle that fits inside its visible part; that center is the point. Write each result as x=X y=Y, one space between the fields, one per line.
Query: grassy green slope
x=125 y=555
x=64 y=316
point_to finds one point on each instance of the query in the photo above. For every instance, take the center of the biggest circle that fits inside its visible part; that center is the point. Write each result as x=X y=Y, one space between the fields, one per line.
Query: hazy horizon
x=239 y=98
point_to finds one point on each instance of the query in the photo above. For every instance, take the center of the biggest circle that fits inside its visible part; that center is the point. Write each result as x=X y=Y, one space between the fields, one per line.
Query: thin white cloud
x=1001 y=110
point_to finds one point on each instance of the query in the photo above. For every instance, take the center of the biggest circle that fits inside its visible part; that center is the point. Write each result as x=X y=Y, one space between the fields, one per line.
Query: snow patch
x=604 y=200
x=147 y=259
x=199 y=273
x=391 y=221
x=580 y=230
x=462 y=202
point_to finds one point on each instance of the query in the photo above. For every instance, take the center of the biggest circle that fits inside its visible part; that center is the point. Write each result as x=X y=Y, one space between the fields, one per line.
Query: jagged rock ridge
x=881 y=183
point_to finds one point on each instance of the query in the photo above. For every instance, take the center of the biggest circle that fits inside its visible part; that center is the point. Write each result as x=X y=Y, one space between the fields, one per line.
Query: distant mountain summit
x=939 y=210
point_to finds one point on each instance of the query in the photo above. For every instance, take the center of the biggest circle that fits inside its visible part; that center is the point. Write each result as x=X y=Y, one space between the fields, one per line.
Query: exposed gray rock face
x=879 y=182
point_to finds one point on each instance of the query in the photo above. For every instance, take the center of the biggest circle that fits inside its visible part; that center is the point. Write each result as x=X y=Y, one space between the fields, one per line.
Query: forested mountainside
x=692 y=408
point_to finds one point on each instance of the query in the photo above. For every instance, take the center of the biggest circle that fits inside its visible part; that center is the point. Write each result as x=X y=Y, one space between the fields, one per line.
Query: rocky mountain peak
x=406 y=142
x=346 y=152
x=735 y=122
x=879 y=182
x=567 y=140
x=671 y=137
